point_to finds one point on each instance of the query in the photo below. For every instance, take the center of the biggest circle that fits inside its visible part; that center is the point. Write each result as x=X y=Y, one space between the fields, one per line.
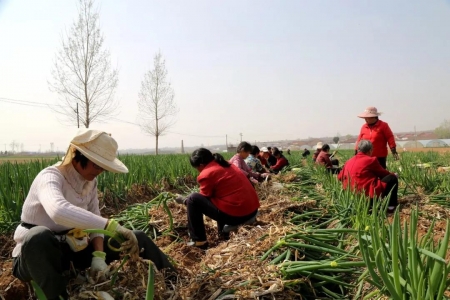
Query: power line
x=24 y=104
x=45 y=105
x=173 y=132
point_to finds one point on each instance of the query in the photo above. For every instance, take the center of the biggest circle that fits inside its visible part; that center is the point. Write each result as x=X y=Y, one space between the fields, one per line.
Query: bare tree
x=157 y=107
x=14 y=146
x=82 y=72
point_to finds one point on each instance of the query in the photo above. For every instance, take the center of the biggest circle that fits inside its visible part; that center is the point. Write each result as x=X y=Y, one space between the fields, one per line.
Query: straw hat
x=99 y=147
x=319 y=145
x=370 y=112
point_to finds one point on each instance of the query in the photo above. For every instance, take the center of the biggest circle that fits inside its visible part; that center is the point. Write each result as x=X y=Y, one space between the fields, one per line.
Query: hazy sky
x=268 y=69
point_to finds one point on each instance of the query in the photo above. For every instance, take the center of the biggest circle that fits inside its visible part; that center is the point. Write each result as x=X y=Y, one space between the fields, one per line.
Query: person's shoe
x=391 y=209
x=202 y=245
x=224 y=236
x=180 y=199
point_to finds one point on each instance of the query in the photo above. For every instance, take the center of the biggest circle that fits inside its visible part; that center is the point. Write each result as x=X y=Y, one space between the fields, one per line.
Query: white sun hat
x=319 y=145
x=99 y=147
x=264 y=149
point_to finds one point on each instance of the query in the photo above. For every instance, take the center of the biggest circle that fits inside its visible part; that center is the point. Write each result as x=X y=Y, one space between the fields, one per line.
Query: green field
x=325 y=245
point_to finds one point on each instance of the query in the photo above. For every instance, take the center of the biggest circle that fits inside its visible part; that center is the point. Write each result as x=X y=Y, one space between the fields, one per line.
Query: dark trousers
x=382 y=161
x=44 y=259
x=199 y=205
x=391 y=187
x=334 y=170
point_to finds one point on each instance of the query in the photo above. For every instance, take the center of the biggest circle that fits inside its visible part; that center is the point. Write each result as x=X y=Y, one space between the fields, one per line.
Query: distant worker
x=271 y=160
x=253 y=162
x=324 y=159
x=379 y=133
x=243 y=151
x=289 y=151
x=318 y=149
x=263 y=155
x=306 y=153
x=281 y=162
x=225 y=196
x=364 y=173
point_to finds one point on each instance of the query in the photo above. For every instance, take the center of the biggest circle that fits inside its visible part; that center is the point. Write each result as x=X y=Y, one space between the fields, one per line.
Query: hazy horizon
x=271 y=70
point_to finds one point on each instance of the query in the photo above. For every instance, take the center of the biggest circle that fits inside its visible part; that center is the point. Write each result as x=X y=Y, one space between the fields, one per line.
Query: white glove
x=264 y=175
x=99 y=269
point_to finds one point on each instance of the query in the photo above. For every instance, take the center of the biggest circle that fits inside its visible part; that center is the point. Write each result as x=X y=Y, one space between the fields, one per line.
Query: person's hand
x=264 y=175
x=396 y=175
x=130 y=244
x=253 y=180
x=99 y=269
x=396 y=157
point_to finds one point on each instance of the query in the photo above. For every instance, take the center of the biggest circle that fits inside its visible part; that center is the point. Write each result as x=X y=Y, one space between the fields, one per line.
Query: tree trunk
x=156 y=150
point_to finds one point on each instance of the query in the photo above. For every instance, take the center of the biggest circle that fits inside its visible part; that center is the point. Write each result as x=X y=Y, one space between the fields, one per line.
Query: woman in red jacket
x=379 y=133
x=281 y=161
x=363 y=173
x=226 y=195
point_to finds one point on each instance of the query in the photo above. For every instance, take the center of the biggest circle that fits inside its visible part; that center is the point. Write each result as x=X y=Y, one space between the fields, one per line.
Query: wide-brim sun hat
x=370 y=112
x=99 y=147
x=319 y=145
x=264 y=149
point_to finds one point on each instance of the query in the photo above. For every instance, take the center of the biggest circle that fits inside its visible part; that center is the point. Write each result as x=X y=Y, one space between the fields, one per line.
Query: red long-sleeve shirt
x=379 y=134
x=228 y=189
x=281 y=163
x=324 y=159
x=363 y=173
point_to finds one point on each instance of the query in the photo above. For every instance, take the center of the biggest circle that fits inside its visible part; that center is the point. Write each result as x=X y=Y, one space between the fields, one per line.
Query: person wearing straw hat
x=317 y=152
x=379 y=133
x=61 y=203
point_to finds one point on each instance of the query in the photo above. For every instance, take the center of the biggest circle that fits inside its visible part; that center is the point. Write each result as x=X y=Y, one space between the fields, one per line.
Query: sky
x=271 y=70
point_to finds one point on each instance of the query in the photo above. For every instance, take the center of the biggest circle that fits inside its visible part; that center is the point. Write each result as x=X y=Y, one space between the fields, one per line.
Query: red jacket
x=281 y=163
x=324 y=159
x=379 y=134
x=228 y=189
x=364 y=173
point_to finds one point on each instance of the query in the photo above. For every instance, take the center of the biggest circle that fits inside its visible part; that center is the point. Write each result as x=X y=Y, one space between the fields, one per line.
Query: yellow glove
x=129 y=244
x=77 y=239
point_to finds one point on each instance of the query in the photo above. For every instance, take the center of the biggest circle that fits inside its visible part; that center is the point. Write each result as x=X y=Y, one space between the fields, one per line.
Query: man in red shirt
x=379 y=133
x=363 y=173
x=226 y=195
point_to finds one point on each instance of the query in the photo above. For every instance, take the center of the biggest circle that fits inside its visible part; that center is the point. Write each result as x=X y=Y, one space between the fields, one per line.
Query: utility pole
x=241 y=136
x=182 y=147
x=78 y=117
x=226 y=141
x=415 y=135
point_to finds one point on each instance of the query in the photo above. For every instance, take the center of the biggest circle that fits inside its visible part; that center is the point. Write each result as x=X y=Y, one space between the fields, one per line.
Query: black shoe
x=202 y=245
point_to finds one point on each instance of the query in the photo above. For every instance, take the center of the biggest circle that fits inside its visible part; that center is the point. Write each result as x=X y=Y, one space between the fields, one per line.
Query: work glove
x=99 y=269
x=180 y=199
x=130 y=244
x=253 y=180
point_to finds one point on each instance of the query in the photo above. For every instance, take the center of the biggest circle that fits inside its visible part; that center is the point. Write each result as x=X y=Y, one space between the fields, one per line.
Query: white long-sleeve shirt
x=60 y=199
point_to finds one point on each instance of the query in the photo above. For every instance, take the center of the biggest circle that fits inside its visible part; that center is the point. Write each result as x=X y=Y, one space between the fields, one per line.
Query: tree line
x=86 y=82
